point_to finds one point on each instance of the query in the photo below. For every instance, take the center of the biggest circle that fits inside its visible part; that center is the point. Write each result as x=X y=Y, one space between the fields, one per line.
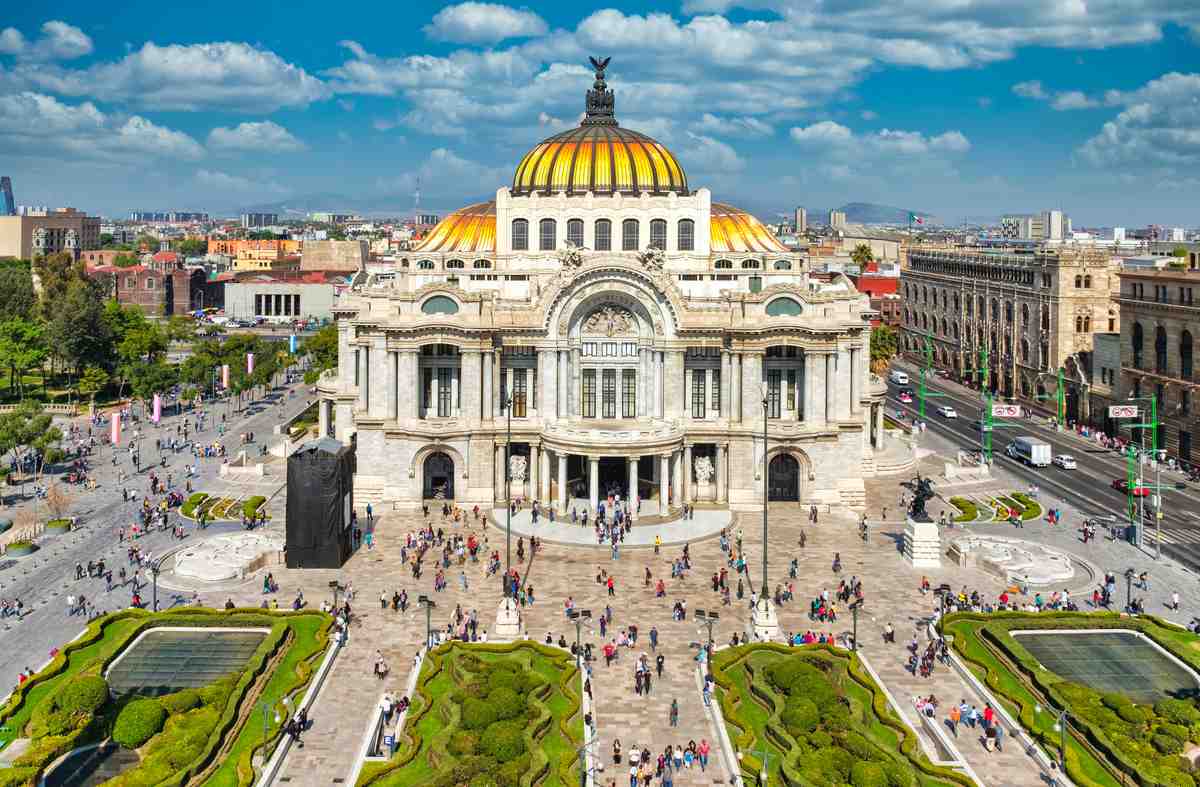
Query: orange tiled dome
x=605 y=159
x=735 y=230
x=469 y=229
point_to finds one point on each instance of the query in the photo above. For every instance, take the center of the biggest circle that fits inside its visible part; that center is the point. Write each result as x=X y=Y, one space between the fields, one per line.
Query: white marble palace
x=630 y=332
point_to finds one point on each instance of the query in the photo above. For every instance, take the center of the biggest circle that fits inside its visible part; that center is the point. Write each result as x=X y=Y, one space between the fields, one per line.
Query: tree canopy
x=885 y=343
x=862 y=254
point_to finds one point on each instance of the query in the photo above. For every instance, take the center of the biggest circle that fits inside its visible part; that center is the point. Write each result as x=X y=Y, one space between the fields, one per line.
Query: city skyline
x=955 y=111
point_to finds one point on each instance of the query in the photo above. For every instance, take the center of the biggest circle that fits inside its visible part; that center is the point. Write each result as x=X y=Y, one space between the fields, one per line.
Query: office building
x=837 y=219
x=253 y=220
x=618 y=316
x=334 y=255
x=801 y=221
x=46 y=232
x=1051 y=225
x=8 y=206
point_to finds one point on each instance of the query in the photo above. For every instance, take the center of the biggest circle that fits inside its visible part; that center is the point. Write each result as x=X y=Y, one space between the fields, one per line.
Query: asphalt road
x=1089 y=487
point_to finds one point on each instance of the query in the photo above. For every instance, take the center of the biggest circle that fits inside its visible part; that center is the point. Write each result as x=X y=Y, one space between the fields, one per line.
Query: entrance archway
x=438 y=477
x=783 y=478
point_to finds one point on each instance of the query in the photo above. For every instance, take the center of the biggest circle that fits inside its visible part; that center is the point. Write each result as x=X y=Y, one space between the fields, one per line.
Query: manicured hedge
x=138 y=722
x=969 y=511
x=1030 y=508
x=1121 y=737
x=189 y=506
x=251 y=506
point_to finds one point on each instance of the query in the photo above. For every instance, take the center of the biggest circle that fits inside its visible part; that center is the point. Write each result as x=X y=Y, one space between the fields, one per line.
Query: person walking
x=999 y=737
x=952 y=720
x=674 y=715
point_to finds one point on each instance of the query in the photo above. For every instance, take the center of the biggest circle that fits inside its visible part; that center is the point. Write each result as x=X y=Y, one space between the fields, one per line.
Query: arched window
x=945 y=327
x=1136 y=344
x=1078 y=324
x=944 y=301
x=956 y=331
x=658 y=234
x=1087 y=323
x=481 y=265
x=723 y=265
x=784 y=307
x=547 y=235
x=520 y=235
x=1185 y=355
x=455 y=264
x=1008 y=311
x=603 y=240
x=924 y=295
x=425 y=265
x=1024 y=315
x=995 y=309
x=1078 y=282
x=749 y=265
x=629 y=235
x=575 y=232
x=783 y=265
x=1087 y=281
x=687 y=235
x=1160 y=349
x=440 y=304
x=956 y=301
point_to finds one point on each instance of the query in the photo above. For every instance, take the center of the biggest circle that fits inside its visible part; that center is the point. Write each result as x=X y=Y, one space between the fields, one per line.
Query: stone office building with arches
x=631 y=333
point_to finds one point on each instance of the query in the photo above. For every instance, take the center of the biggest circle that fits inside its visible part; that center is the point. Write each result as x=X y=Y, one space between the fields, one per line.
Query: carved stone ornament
x=704 y=469
x=610 y=321
x=652 y=258
x=516 y=468
x=571 y=256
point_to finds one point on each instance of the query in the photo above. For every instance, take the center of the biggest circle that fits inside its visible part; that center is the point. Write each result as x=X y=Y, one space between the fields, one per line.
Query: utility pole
x=1133 y=479
x=1059 y=397
x=926 y=369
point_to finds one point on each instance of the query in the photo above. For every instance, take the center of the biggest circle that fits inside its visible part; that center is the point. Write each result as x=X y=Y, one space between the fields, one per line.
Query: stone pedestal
x=763 y=621
x=705 y=492
x=922 y=544
x=508 y=621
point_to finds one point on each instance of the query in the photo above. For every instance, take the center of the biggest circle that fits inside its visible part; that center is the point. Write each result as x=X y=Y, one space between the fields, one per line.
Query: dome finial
x=599 y=98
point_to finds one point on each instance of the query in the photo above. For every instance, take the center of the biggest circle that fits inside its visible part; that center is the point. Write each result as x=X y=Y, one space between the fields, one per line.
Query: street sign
x=1122 y=411
x=1006 y=411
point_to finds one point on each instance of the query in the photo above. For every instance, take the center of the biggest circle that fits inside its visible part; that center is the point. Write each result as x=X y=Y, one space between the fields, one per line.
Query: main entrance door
x=614 y=476
x=438 y=477
x=783 y=480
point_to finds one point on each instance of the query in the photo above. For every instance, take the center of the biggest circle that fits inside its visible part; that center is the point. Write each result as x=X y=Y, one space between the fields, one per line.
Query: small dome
x=734 y=230
x=599 y=156
x=469 y=229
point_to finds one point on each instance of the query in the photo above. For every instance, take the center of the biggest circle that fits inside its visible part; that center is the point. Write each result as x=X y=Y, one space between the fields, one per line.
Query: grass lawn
x=1113 y=740
x=821 y=718
x=489 y=713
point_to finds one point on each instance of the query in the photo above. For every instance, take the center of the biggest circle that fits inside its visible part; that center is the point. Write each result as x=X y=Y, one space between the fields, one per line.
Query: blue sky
x=953 y=107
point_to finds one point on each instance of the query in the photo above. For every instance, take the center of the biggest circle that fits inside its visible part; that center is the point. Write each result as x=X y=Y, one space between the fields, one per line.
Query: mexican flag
x=915 y=219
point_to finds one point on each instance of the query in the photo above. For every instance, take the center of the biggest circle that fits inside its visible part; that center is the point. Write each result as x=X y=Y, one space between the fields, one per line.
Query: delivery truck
x=1030 y=450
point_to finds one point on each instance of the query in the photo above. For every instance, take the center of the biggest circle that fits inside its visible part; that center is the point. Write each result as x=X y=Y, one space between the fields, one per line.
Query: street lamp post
x=507 y=405
x=266 y=709
x=765 y=404
x=155 y=567
x=1128 y=588
x=581 y=752
x=854 y=614
x=578 y=616
x=1060 y=726
x=762 y=618
x=708 y=618
x=429 y=604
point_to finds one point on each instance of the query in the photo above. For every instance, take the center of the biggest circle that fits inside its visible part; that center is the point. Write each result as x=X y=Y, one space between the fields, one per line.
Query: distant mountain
x=871 y=213
x=367 y=205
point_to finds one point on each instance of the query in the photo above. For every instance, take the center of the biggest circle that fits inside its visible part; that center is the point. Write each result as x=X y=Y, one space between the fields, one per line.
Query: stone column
x=593 y=482
x=633 y=486
x=660 y=384
x=498 y=464
x=562 y=483
x=814 y=409
x=664 y=475
x=677 y=478
x=576 y=382
x=688 y=381
x=364 y=378
x=393 y=371
x=687 y=473
x=726 y=376
x=847 y=384
x=677 y=395
x=560 y=384
x=752 y=379
x=472 y=362
x=455 y=385
x=879 y=426
x=434 y=391
x=485 y=387
x=720 y=472
x=497 y=370
x=735 y=387
x=646 y=385
x=544 y=477
x=535 y=468
x=323 y=417
x=831 y=387
x=412 y=384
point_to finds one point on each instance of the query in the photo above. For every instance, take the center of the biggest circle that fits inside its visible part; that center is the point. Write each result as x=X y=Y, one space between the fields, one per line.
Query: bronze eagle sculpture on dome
x=599 y=65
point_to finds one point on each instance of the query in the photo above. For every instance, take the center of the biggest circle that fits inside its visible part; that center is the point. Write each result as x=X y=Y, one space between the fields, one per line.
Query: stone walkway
x=706 y=523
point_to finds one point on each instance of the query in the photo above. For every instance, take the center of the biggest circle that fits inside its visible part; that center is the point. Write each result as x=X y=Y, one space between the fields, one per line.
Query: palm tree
x=862 y=255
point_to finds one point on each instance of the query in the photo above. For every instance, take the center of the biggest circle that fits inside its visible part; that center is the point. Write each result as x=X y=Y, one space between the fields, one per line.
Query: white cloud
x=869 y=114
x=824 y=132
x=1158 y=128
x=225 y=76
x=213 y=180
x=59 y=41
x=262 y=137
x=705 y=154
x=480 y=23
x=984 y=102
x=744 y=126
x=1032 y=89
x=35 y=124
x=844 y=155
x=1073 y=99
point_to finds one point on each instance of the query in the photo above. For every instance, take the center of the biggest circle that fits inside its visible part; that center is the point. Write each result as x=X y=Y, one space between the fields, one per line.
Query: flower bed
x=190 y=506
x=58 y=526
x=251 y=506
x=820 y=716
x=179 y=736
x=489 y=714
x=20 y=548
x=968 y=510
x=1030 y=508
x=1113 y=740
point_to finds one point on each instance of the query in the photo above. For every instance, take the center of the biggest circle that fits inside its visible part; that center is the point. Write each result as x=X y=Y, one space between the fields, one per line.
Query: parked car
x=1065 y=461
x=898 y=377
x=905 y=397
x=1122 y=486
x=946 y=411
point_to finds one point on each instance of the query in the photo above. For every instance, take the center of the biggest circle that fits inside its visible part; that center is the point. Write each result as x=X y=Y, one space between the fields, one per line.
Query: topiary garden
x=821 y=717
x=489 y=714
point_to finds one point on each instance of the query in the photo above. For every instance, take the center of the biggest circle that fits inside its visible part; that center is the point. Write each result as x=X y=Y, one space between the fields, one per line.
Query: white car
x=945 y=411
x=1065 y=461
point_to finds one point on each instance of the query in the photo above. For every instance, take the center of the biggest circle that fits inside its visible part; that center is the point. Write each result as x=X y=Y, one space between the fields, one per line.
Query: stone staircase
x=368 y=489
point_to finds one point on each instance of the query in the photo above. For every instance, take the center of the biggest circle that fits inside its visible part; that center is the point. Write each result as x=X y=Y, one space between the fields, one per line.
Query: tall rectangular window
x=257 y=305
x=687 y=235
x=658 y=234
x=629 y=393
x=629 y=235
x=791 y=389
x=610 y=393
x=426 y=387
x=520 y=393
x=575 y=232
x=520 y=235
x=774 y=377
x=444 y=389
x=548 y=232
x=716 y=390
x=589 y=394
x=699 y=397
x=603 y=235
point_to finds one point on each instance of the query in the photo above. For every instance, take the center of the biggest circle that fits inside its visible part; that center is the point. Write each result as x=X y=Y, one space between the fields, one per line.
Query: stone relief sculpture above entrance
x=610 y=320
x=516 y=468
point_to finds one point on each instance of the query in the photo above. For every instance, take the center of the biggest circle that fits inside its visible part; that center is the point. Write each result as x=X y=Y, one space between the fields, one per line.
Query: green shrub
x=1167 y=744
x=477 y=714
x=1030 y=508
x=503 y=678
x=1135 y=714
x=800 y=715
x=506 y=703
x=969 y=510
x=181 y=701
x=1116 y=701
x=463 y=743
x=821 y=739
x=138 y=722
x=504 y=740
x=18 y=777
x=1177 y=711
x=190 y=505
x=868 y=774
x=251 y=506
x=85 y=694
